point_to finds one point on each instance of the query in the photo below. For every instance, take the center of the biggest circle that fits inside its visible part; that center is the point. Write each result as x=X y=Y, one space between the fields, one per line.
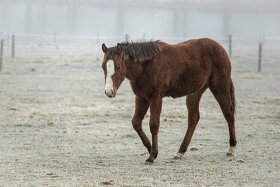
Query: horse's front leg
x=155 y=110
x=141 y=107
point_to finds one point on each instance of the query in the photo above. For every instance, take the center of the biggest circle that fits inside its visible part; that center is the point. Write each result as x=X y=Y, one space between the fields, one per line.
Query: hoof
x=230 y=151
x=149 y=162
x=229 y=154
x=178 y=156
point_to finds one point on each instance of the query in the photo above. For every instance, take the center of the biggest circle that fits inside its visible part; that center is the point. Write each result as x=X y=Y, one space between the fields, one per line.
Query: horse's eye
x=118 y=67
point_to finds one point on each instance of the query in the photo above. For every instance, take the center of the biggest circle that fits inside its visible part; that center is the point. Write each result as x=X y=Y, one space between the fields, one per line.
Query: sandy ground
x=59 y=129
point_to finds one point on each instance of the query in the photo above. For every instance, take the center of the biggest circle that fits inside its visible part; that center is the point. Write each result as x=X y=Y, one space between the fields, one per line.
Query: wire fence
x=251 y=50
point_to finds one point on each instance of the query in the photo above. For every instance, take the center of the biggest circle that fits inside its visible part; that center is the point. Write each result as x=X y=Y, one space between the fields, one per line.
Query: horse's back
x=203 y=50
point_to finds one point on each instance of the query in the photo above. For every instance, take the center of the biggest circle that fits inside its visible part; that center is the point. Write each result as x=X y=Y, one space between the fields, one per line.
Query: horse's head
x=114 y=69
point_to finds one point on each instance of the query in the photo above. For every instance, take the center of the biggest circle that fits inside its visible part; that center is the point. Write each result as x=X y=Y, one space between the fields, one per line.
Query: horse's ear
x=119 y=48
x=104 y=48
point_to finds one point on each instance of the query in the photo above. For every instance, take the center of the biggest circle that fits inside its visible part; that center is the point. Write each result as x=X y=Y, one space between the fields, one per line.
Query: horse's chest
x=142 y=88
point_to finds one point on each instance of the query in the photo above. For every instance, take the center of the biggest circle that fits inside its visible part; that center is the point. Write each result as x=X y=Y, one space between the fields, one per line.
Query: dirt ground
x=57 y=127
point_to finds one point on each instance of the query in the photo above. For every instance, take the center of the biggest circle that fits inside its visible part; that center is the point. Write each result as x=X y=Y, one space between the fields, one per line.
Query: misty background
x=248 y=21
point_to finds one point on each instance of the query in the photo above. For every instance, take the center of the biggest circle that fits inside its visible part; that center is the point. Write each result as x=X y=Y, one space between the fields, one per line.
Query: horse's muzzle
x=110 y=93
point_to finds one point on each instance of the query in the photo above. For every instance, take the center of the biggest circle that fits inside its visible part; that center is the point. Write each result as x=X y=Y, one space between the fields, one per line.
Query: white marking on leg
x=109 y=90
x=178 y=156
x=231 y=151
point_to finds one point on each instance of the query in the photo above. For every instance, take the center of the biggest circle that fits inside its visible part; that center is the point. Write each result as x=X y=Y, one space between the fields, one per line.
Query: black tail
x=232 y=95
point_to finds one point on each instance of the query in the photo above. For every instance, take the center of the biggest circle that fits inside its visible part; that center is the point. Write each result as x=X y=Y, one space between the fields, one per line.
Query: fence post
x=1 y=53
x=260 y=57
x=13 y=46
x=230 y=45
x=144 y=36
x=126 y=37
x=7 y=43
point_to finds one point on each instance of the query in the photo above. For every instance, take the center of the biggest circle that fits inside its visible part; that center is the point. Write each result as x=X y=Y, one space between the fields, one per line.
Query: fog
x=246 y=20
x=58 y=127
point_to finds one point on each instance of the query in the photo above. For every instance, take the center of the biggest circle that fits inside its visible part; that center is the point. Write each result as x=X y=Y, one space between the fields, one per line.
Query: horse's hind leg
x=193 y=118
x=224 y=94
x=141 y=107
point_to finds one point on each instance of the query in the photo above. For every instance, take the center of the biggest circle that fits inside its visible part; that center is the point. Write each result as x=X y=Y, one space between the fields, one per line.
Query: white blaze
x=109 y=81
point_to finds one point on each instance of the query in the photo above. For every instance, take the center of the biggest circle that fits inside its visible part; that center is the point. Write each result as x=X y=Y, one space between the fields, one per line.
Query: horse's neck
x=134 y=70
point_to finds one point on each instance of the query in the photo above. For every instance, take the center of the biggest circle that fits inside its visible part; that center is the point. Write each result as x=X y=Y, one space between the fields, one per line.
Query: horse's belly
x=175 y=93
x=185 y=88
x=179 y=92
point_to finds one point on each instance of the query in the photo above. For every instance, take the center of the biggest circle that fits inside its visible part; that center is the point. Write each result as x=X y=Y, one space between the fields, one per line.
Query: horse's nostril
x=110 y=93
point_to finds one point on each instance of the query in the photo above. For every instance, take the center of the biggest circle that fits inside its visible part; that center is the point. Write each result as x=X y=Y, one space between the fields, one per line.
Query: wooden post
x=13 y=46
x=7 y=43
x=1 y=53
x=126 y=37
x=230 y=45
x=260 y=57
x=144 y=36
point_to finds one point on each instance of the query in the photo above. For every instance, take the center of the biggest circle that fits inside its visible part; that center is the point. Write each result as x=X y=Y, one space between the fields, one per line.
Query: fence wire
x=244 y=51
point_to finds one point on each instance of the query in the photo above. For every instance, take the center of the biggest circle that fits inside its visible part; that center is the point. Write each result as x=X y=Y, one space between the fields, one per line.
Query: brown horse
x=157 y=69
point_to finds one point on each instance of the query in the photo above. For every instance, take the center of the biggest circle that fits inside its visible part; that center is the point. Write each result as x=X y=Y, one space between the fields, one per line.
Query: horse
x=156 y=69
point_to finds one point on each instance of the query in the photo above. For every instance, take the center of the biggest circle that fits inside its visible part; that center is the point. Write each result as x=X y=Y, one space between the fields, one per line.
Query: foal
x=157 y=69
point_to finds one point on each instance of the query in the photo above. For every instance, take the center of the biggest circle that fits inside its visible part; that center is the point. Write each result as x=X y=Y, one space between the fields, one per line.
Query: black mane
x=138 y=51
